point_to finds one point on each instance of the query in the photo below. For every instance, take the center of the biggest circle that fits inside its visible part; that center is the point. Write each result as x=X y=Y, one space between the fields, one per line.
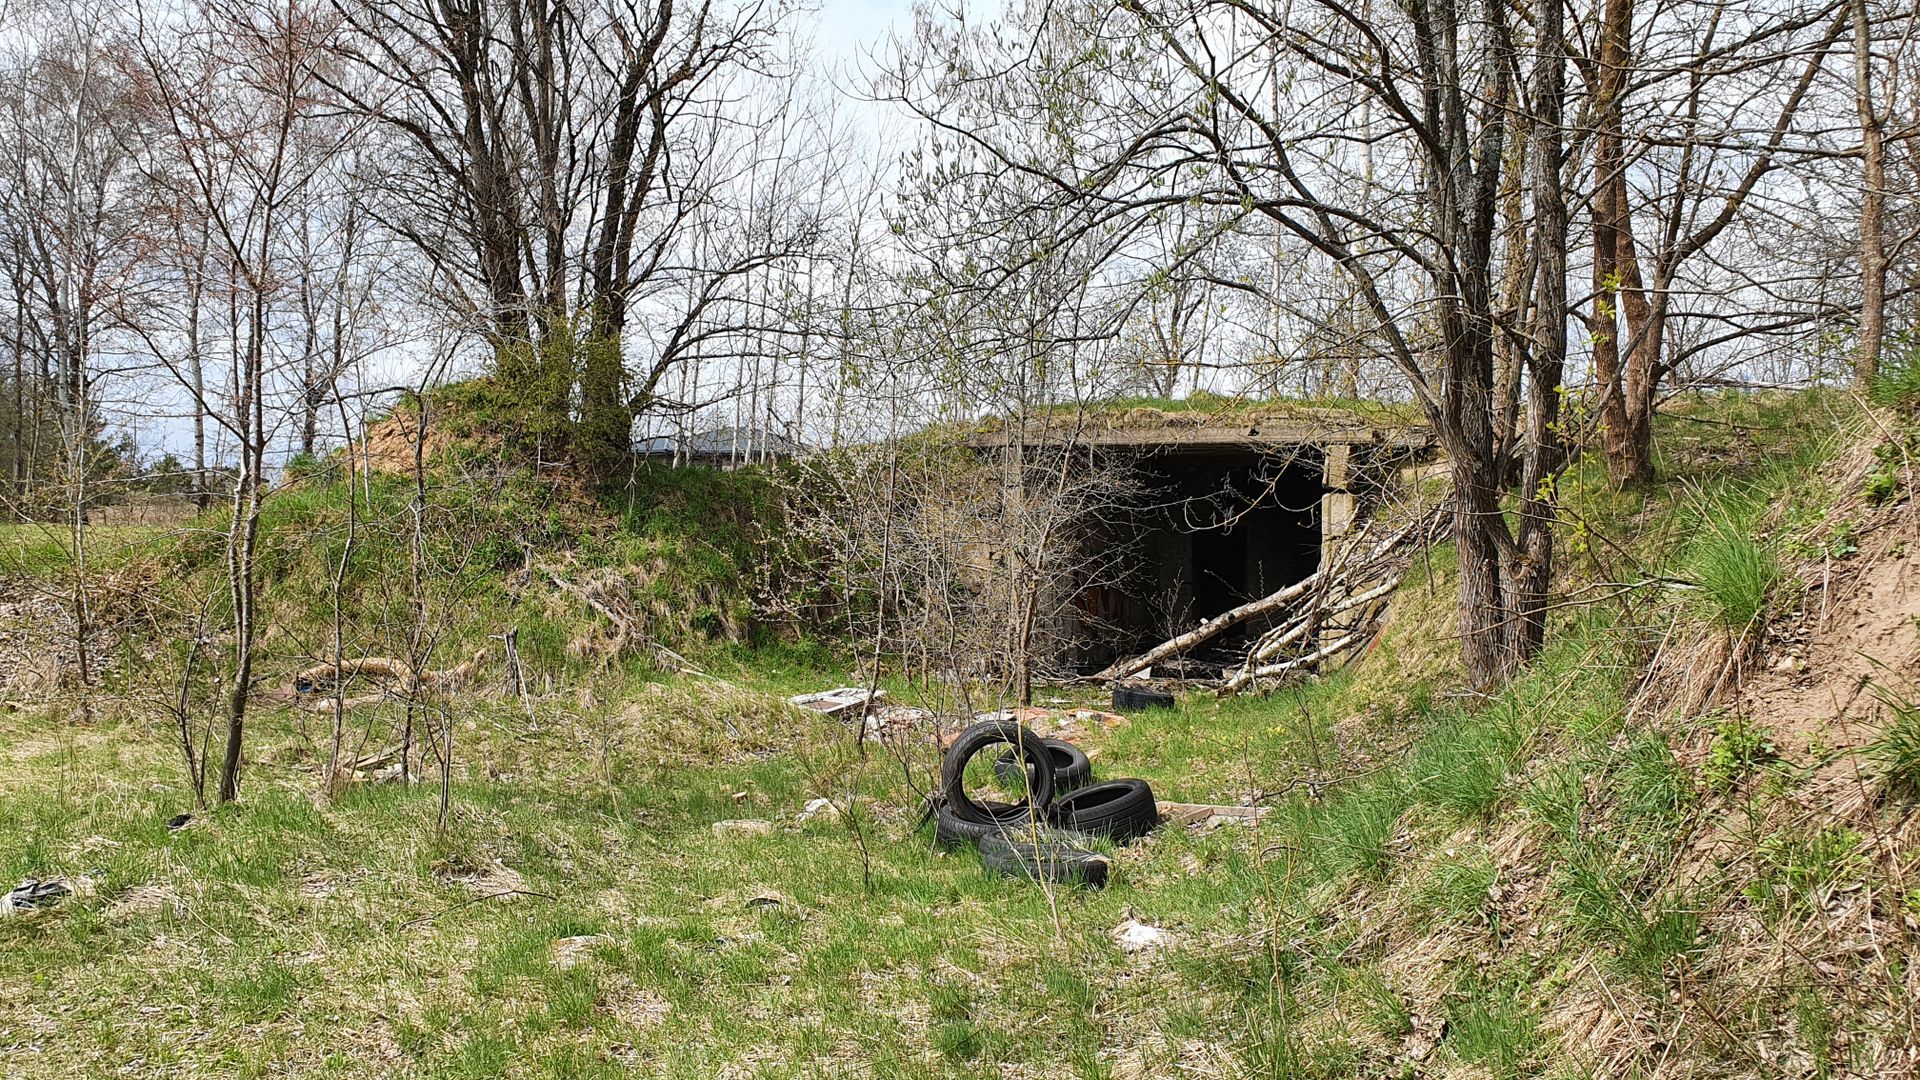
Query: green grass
x=1897 y=384
x=1895 y=751
x=1736 y=573
x=41 y=550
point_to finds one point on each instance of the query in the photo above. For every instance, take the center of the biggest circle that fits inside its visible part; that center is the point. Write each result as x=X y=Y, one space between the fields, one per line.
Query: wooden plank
x=1178 y=813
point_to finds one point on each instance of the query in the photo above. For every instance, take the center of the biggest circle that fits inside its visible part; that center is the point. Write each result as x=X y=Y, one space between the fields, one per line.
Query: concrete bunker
x=1221 y=509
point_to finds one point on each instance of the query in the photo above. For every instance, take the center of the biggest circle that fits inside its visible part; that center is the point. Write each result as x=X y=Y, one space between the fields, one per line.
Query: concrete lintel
x=1248 y=436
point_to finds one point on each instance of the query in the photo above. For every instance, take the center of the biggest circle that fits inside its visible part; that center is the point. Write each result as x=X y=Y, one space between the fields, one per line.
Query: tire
x=1135 y=698
x=1048 y=860
x=951 y=831
x=1071 y=769
x=1120 y=810
x=953 y=767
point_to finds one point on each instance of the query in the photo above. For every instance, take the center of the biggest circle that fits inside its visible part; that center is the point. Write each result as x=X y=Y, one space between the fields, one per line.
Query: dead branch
x=1349 y=569
x=395 y=678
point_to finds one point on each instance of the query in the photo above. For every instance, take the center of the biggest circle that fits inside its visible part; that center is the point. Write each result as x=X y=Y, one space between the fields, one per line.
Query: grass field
x=1534 y=884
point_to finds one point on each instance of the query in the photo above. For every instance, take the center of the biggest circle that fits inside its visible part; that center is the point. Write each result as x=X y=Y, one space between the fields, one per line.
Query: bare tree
x=233 y=90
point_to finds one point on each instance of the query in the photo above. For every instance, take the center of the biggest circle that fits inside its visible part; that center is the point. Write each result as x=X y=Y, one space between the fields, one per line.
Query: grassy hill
x=1680 y=845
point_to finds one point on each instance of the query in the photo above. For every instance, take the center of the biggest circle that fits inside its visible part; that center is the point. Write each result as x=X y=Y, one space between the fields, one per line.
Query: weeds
x=1796 y=866
x=1738 y=749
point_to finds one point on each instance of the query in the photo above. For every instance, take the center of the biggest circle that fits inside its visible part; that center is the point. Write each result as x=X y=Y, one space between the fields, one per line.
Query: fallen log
x=392 y=675
x=1212 y=628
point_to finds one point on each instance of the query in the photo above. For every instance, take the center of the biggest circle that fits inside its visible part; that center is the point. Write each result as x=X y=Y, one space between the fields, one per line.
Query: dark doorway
x=1219 y=570
x=1212 y=529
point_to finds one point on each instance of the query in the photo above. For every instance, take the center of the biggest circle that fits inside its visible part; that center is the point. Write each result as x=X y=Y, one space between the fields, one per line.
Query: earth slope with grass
x=1680 y=845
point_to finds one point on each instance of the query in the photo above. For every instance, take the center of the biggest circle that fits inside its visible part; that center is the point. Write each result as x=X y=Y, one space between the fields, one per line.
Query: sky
x=849 y=27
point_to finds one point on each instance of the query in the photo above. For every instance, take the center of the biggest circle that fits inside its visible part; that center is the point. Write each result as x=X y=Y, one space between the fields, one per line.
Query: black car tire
x=1071 y=769
x=953 y=768
x=1134 y=698
x=952 y=831
x=1120 y=810
x=1046 y=860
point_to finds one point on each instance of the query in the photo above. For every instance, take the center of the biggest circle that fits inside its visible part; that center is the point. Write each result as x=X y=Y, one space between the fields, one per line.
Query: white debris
x=819 y=808
x=838 y=703
x=1134 y=936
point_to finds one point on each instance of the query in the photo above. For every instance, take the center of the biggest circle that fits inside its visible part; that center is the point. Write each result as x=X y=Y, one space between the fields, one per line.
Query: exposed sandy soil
x=1859 y=628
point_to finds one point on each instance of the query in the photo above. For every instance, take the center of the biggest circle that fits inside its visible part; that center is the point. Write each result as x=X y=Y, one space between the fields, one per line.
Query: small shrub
x=1738 y=749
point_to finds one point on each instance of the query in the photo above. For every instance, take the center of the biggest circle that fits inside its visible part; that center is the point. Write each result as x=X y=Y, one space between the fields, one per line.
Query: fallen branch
x=591 y=593
x=1340 y=574
x=1212 y=628
x=1280 y=637
x=1241 y=678
x=394 y=676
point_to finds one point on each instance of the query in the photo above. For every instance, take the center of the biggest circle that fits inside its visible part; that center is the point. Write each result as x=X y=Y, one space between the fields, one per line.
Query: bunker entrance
x=1209 y=531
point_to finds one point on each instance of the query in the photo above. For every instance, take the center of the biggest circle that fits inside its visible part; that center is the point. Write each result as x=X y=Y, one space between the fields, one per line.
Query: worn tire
x=1071 y=769
x=953 y=768
x=1120 y=810
x=1128 y=699
x=952 y=831
x=1048 y=860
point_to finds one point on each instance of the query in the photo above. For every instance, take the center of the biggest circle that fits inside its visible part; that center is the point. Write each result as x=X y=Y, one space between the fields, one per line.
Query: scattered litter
x=178 y=822
x=743 y=827
x=819 y=808
x=900 y=721
x=1104 y=719
x=1024 y=714
x=766 y=900
x=39 y=894
x=1134 y=937
x=839 y=702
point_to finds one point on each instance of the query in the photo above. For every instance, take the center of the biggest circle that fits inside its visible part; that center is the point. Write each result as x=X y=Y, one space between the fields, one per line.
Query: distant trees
x=564 y=168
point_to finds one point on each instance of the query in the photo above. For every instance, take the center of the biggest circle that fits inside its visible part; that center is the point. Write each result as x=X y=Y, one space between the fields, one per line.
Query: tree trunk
x=1619 y=294
x=1546 y=366
x=1873 y=198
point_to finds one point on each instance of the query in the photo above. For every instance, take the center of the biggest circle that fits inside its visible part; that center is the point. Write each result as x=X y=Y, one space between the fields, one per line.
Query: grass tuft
x=1897 y=384
x=1896 y=750
x=1736 y=573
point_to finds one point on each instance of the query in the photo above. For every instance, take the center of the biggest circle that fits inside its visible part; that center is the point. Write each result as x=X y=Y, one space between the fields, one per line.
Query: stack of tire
x=1040 y=836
